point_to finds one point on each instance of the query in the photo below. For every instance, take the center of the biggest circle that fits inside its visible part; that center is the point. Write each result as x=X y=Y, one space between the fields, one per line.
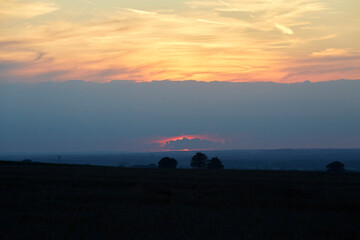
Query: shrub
x=215 y=163
x=167 y=162
x=199 y=160
x=335 y=167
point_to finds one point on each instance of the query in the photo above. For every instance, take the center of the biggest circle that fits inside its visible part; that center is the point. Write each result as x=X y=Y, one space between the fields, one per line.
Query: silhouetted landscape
x=280 y=159
x=47 y=201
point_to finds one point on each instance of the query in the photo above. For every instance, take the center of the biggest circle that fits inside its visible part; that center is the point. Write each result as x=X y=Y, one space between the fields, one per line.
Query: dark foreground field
x=83 y=202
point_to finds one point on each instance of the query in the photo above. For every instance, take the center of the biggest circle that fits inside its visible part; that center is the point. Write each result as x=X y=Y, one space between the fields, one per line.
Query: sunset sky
x=142 y=40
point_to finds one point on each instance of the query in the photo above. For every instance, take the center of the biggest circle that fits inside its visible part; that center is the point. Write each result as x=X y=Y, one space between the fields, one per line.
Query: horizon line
x=181 y=150
x=174 y=81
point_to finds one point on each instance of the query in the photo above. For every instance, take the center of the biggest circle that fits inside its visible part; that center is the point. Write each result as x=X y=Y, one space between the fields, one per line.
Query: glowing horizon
x=163 y=141
x=208 y=40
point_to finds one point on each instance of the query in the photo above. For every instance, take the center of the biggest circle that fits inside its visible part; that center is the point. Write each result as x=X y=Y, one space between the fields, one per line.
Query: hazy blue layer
x=124 y=115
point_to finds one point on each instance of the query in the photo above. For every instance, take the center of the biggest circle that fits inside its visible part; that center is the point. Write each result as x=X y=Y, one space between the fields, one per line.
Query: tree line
x=198 y=161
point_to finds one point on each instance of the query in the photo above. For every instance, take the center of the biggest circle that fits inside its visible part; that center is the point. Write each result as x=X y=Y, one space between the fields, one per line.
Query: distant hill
x=281 y=159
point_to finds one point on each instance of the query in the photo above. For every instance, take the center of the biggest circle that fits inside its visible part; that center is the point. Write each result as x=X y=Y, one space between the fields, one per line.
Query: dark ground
x=84 y=202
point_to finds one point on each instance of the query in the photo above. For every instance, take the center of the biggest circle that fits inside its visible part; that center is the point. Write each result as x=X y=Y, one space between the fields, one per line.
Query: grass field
x=84 y=202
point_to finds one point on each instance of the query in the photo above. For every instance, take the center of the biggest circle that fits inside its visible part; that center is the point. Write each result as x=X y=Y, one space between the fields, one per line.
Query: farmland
x=87 y=202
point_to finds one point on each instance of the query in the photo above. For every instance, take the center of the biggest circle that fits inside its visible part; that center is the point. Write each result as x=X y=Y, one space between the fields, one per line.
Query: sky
x=103 y=75
x=153 y=116
x=206 y=40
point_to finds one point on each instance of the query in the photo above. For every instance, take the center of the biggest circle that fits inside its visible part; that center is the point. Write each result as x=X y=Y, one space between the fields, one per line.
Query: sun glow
x=166 y=140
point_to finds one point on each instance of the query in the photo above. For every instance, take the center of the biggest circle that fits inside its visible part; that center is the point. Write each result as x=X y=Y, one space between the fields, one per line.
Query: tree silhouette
x=335 y=167
x=199 y=161
x=215 y=163
x=167 y=162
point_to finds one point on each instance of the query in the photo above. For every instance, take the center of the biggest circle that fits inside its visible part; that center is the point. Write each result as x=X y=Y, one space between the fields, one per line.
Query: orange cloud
x=165 y=140
x=330 y=52
x=23 y=9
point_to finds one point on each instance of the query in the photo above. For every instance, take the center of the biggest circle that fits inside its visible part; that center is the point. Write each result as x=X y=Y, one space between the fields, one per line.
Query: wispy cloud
x=150 y=43
x=324 y=65
x=25 y=9
x=284 y=29
x=228 y=5
x=208 y=21
x=139 y=11
x=330 y=52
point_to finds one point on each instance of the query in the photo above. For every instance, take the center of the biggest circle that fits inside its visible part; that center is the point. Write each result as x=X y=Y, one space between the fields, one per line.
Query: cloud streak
x=330 y=52
x=208 y=21
x=24 y=9
x=139 y=11
x=284 y=29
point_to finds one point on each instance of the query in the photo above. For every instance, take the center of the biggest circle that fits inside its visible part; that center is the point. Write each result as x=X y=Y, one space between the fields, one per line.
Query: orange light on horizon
x=165 y=140
x=187 y=150
x=184 y=150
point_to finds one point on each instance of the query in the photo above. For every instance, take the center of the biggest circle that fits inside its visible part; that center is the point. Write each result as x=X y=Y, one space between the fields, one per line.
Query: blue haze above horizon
x=131 y=116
